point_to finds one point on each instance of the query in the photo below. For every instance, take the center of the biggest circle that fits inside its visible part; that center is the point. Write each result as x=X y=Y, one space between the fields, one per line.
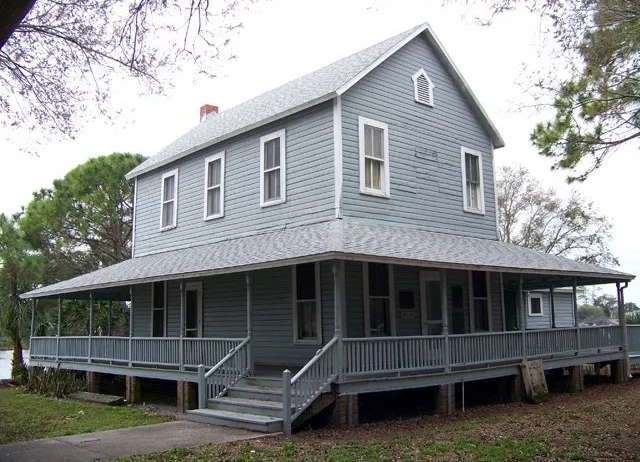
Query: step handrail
x=302 y=390
x=230 y=379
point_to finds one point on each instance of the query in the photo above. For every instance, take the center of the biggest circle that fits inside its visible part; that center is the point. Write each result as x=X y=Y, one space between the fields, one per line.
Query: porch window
x=307 y=311
x=472 y=186
x=169 y=200
x=214 y=186
x=158 y=309
x=272 y=169
x=374 y=157
x=535 y=304
x=379 y=310
x=481 y=309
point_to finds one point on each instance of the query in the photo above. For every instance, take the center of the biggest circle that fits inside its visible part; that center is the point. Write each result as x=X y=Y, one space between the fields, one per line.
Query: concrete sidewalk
x=123 y=442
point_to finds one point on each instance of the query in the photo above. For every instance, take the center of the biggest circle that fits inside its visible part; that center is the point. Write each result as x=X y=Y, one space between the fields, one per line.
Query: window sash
x=272 y=184
x=214 y=186
x=379 y=316
x=272 y=168
x=307 y=320
x=472 y=181
x=306 y=303
x=374 y=157
x=169 y=200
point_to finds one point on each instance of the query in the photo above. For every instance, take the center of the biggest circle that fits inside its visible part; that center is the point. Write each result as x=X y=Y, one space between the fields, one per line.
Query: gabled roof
x=304 y=92
x=342 y=240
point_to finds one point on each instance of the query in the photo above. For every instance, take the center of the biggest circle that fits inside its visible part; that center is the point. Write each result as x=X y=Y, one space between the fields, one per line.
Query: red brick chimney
x=206 y=110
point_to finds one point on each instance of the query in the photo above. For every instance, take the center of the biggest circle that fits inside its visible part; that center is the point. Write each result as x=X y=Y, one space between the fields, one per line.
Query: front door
x=193 y=310
x=430 y=303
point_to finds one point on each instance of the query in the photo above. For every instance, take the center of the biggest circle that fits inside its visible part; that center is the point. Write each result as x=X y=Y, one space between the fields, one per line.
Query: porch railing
x=634 y=338
x=141 y=351
x=313 y=379
x=553 y=342
x=224 y=374
x=485 y=347
x=599 y=338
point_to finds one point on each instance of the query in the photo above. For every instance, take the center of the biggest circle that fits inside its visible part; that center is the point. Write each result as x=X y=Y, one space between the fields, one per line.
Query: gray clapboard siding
x=563 y=309
x=354 y=299
x=407 y=279
x=141 y=310
x=424 y=145
x=309 y=191
x=496 y=303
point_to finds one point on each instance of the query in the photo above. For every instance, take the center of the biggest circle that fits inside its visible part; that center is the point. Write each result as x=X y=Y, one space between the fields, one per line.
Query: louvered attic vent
x=423 y=88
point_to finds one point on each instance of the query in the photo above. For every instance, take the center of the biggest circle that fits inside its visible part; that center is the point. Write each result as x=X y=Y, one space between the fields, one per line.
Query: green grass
x=24 y=417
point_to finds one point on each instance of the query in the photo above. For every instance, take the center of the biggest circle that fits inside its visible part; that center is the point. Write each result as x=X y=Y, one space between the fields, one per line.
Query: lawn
x=24 y=417
x=599 y=424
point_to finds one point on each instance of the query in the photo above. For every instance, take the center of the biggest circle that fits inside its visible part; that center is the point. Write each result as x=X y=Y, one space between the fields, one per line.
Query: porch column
x=110 y=317
x=553 y=307
x=33 y=318
x=523 y=318
x=247 y=278
x=337 y=269
x=445 y=318
x=625 y=334
x=131 y=323
x=58 y=331
x=575 y=313
x=502 y=307
x=182 y=311
x=90 y=325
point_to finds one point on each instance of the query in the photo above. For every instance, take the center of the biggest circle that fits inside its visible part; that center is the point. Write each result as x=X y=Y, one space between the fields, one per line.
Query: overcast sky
x=284 y=39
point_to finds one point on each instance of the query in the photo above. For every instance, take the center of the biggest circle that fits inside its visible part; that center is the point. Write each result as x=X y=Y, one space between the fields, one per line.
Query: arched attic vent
x=423 y=88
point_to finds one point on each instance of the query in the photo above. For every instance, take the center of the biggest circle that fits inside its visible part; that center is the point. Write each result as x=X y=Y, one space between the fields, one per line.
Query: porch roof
x=339 y=239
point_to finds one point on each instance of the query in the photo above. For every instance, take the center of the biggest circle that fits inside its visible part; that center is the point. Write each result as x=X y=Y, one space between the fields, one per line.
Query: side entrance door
x=430 y=303
x=193 y=310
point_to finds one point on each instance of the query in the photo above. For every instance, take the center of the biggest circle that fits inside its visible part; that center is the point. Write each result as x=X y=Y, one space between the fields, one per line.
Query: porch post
x=445 y=318
x=110 y=317
x=625 y=334
x=33 y=318
x=337 y=269
x=575 y=314
x=90 y=324
x=182 y=311
x=502 y=307
x=58 y=332
x=247 y=278
x=553 y=307
x=130 y=323
x=523 y=318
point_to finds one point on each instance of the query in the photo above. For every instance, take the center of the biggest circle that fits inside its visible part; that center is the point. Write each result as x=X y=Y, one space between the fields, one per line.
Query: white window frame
x=385 y=192
x=219 y=156
x=283 y=168
x=367 y=305
x=539 y=297
x=467 y=208
x=173 y=172
x=164 y=309
x=307 y=341
x=415 y=88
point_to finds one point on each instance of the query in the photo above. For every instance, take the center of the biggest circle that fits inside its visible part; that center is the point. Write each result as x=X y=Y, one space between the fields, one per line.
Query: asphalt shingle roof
x=333 y=239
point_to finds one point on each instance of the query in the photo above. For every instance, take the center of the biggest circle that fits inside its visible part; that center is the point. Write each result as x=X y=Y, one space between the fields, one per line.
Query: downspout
x=623 y=323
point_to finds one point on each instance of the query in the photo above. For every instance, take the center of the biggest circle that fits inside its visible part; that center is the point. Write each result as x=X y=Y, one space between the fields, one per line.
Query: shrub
x=53 y=382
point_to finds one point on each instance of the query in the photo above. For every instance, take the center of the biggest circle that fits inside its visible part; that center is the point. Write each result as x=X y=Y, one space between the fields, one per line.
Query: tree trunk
x=17 y=362
x=11 y=15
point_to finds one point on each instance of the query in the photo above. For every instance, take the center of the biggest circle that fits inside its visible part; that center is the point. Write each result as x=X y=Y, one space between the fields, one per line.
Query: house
x=331 y=238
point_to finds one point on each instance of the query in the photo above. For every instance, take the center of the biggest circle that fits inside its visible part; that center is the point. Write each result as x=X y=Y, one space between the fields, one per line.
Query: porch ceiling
x=338 y=239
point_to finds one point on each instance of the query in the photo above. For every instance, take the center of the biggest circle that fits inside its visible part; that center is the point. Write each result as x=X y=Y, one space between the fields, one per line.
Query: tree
x=85 y=221
x=59 y=58
x=19 y=270
x=596 y=107
x=535 y=217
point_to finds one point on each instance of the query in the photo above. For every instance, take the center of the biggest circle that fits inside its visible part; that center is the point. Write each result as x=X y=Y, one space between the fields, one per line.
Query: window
x=472 y=187
x=214 y=186
x=307 y=321
x=158 y=309
x=272 y=169
x=535 y=304
x=374 y=157
x=480 y=294
x=423 y=88
x=169 y=200
x=379 y=309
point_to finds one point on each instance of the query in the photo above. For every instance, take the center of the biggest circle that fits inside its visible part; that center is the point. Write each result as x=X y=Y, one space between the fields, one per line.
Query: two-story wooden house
x=342 y=227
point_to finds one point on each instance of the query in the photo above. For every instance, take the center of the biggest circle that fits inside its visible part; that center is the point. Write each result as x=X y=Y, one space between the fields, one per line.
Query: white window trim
x=362 y=121
x=539 y=297
x=478 y=154
x=153 y=308
x=415 y=87
x=283 y=168
x=219 y=156
x=173 y=172
x=392 y=300
x=307 y=341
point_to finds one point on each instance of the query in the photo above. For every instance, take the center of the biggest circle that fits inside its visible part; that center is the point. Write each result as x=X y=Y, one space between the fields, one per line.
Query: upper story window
x=307 y=314
x=472 y=186
x=423 y=88
x=214 y=186
x=272 y=169
x=169 y=200
x=535 y=305
x=374 y=157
